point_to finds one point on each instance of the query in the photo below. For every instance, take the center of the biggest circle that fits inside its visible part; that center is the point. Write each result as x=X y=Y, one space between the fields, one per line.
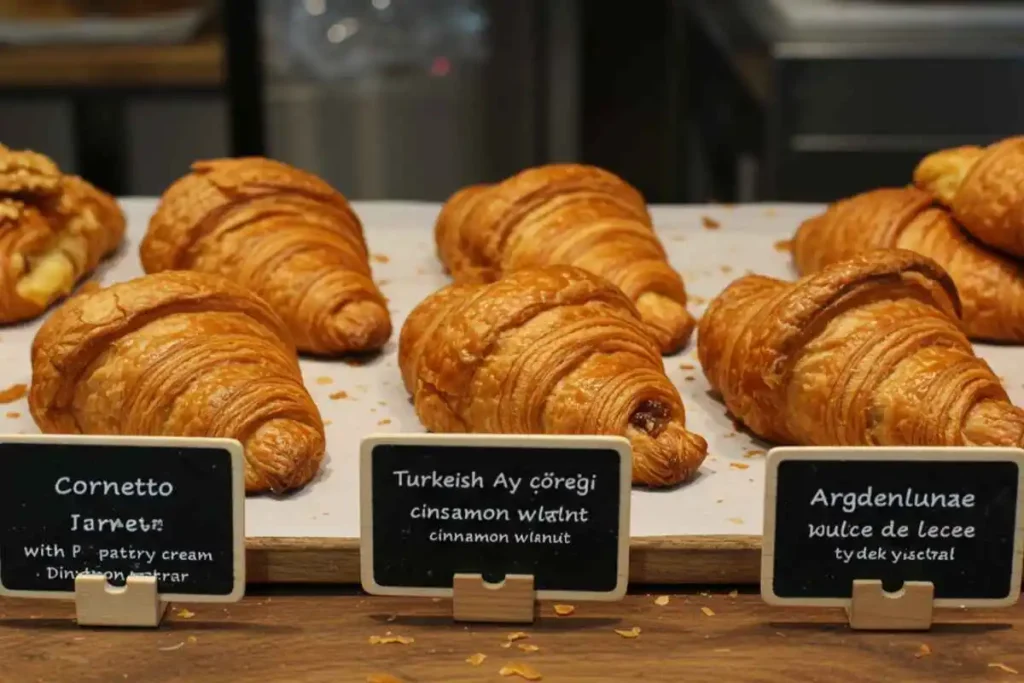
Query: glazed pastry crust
x=555 y=350
x=54 y=230
x=991 y=286
x=179 y=354
x=983 y=187
x=566 y=214
x=283 y=233
x=865 y=352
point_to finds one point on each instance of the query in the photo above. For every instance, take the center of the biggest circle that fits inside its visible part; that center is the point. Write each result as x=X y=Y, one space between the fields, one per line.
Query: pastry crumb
x=733 y=593
x=686 y=366
x=564 y=610
x=754 y=453
x=506 y=645
x=726 y=269
x=185 y=613
x=13 y=393
x=736 y=520
x=385 y=421
x=338 y=395
x=708 y=612
x=476 y=659
x=381 y=258
x=784 y=245
x=1002 y=667
x=698 y=300
x=383 y=678
x=521 y=670
x=328 y=423
x=528 y=647
x=922 y=651
x=690 y=378
x=388 y=639
x=518 y=635
x=323 y=380
x=661 y=600
x=13 y=414
x=709 y=223
x=722 y=649
x=172 y=648
x=629 y=633
x=739 y=465
x=720 y=500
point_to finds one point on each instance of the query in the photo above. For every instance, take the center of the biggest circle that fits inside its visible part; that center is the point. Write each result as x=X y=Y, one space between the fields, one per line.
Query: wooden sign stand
x=137 y=603
x=510 y=601
x=873 y=609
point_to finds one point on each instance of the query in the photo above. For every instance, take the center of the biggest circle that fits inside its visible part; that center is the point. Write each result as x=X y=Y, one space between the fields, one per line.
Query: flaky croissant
x=991 y=286
x=179 y=354
x=54 y=230
x=547 y=351
x=983 y=187
x=566 y=214
x=865 y=352
x=283 y=233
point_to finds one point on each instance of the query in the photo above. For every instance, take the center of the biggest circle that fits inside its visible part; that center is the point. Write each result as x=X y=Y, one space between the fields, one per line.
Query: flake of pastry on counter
x=180 y=354
x=709 y=223
x=629 y=633
x=687 y=366
x=708 y=612
x=982 y=186
x=54 y=230
x=739 y=465
x=734 y=593
x=13 y=415
x=725 y=269
x=13 y=393
x=522 y=670
x=566 y=214
x=338 y=395
x=528 y=647
x=517 y=635
x=323 y=381
x=564 y=610
x=385 y=421
x=784 y=245
x=171 y=648
x=864 y=352
x=661 y=600
x=185 y=613
x=476 y=659
x=922 y=651
x=328 y=423
x=1002 y=667
x=283 y=233
x=389 y=639
x=381 y=258
x=990 y=285
x=754 y=453
x=690 y=378
x=735 y=520
x=548 y=351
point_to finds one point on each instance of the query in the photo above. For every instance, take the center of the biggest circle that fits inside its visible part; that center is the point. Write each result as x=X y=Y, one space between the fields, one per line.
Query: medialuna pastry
x=54 y=230
x=865 y=352
x=283 y=233
x=573 y=215
x=179 y=354
x=983 y=187
x=990 y=285
x=547 y=351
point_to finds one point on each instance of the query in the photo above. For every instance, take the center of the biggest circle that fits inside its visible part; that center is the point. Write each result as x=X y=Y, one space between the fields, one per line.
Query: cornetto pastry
x=865 y=352
x=54 y=230
x=983 y=187
x=990 y=285
x=283 y=233
x=566 y=214
x=555 y=350
x=179 y=354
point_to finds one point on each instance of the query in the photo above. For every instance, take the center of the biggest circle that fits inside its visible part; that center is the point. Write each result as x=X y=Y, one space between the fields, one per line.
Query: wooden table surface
x=293 y=634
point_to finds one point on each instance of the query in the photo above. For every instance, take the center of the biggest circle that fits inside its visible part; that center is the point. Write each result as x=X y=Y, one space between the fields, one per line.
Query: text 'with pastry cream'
x=554 y=508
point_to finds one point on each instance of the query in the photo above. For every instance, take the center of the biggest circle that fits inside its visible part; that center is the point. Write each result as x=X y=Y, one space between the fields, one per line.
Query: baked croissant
x=983 y=187
x=566 y=214
x=865 y=352
x=547 y=351
x=179 y=354
x=991 y=286
x=283 y=233
x=54 y=230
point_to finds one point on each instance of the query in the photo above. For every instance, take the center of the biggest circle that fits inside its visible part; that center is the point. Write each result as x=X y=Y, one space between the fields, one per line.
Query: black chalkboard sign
x=949 y=516
x=121 y=506
x=556 y=508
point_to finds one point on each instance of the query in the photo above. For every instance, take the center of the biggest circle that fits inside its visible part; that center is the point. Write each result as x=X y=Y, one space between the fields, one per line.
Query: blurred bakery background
x=691 y=100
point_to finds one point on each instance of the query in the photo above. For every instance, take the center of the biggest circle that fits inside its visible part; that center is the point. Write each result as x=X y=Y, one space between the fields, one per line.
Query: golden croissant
x=547 y=351
x=283 y=233
x=983 y=187
x=990 y=285
x=179 y=354
x=865 y=352
x=573 y=215
x=54 y=230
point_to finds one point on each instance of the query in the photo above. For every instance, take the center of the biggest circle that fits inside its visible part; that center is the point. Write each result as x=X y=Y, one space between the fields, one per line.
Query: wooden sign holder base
x=97 y=603
x=510 y=601
x=908 y=609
